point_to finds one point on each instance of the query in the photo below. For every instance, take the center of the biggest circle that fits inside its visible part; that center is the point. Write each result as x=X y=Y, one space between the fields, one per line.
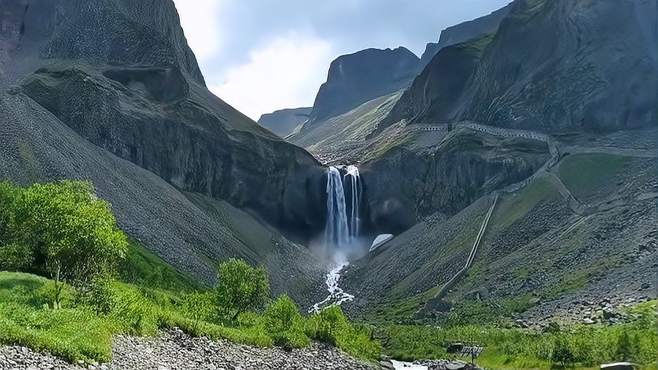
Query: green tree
x=240 y=288
x=285 y=324
x=14 y=255
x=73 y=234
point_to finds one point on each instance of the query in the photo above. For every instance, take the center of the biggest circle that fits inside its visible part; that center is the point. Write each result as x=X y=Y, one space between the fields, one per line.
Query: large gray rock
x=284 y=121
x=403 y=186
x=463 y=32
x=356 y=78
x=552 y=65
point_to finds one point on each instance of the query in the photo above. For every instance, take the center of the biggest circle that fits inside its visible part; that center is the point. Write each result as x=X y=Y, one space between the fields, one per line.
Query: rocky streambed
x=176 y=350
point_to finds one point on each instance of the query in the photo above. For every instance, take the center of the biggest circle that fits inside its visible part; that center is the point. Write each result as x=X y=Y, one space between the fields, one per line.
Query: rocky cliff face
x=109 y=91
x=357 y=78
x=121 y=75
x=552 y=65
x=284 y=121
x=463 y=32
x=404 y=185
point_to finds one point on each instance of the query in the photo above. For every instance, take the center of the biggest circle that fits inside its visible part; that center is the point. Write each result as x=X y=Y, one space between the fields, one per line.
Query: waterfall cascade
x=355 y=192
x=341 y=229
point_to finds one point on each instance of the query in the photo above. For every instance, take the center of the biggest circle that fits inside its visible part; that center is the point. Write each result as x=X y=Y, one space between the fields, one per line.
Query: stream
x=336 y=294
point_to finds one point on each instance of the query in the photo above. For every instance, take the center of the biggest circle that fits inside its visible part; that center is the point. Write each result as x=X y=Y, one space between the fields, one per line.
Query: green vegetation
x=142 y=267
x=587 y=173
x=76 y=316
x=241 y=288
x=62 y=230
x=285 y=324
x=331 y=326
x=578 y=346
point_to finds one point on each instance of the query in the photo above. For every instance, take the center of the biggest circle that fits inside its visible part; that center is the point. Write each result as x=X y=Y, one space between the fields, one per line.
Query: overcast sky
x=263 y=55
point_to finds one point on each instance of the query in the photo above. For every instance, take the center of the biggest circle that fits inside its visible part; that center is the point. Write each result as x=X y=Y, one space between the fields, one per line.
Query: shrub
x=97 y=294
x=626 y=347
x=133 y=312
x=240 y=288
x=326 y=325
x=331 y=326
x=562 y=353
x=285 y=324
x=15 y=256
x=198 y=307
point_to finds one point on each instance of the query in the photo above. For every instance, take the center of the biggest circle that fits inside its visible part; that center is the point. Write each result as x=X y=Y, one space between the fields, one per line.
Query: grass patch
x=76 y=332
x=142 y=267
x=587 y=173
x=587 y=346
x=512 y=207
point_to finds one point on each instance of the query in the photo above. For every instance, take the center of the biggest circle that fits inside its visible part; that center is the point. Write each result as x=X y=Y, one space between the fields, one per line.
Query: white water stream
x=341 y=230
x=336 y=295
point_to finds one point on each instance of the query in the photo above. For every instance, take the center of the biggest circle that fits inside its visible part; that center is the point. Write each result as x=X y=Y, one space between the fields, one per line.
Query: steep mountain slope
x=552 y=65
x=341 y=139
x=35 y=146
x=136 y=92
x=580 y=233
x=283 y=122
x=464 y=31
x=119 y=74
x=357 y=78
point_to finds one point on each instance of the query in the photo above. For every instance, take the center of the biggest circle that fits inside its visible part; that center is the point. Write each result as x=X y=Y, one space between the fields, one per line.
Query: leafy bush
x=136 y=314
x=562 y=352
x=97 y=294
x=285 y=324
x=62 y=227
x=240 y=288
x=198 y=306
x=331 y=326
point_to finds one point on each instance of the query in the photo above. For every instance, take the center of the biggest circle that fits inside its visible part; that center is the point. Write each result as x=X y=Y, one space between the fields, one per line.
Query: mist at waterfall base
x=342 y=239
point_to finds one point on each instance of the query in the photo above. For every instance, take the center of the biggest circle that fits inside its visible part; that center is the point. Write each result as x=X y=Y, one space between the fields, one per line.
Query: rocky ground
x=176 y=350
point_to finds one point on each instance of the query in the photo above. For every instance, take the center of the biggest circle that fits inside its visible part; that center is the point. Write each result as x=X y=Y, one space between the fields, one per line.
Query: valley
x=498 y=192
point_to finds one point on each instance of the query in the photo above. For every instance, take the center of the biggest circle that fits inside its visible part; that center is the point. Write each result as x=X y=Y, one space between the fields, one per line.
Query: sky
x=264 y=55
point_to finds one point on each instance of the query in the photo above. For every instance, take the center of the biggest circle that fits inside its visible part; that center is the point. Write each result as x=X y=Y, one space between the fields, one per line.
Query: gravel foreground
x=176 y=350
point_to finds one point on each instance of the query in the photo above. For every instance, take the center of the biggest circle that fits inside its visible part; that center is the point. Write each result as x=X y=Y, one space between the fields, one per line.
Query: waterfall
x=355 y=182
x=336 y=230
x=342 y=228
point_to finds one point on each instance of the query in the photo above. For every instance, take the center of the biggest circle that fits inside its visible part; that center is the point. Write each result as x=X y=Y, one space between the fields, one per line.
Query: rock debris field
x=176 y=350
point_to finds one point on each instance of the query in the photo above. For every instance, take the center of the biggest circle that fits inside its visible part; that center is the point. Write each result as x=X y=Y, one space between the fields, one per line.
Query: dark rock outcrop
x=463 y=32
x=284 y=121
x=403 y=186
x=357 y=78
x=156 y=119
x=554 y=66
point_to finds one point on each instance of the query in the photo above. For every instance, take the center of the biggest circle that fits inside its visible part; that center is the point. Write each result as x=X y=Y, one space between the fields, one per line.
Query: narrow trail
x=471 y=257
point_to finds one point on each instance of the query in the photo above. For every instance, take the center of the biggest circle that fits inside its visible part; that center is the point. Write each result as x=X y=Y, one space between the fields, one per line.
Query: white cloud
x=199 y=19
x=282 y=74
